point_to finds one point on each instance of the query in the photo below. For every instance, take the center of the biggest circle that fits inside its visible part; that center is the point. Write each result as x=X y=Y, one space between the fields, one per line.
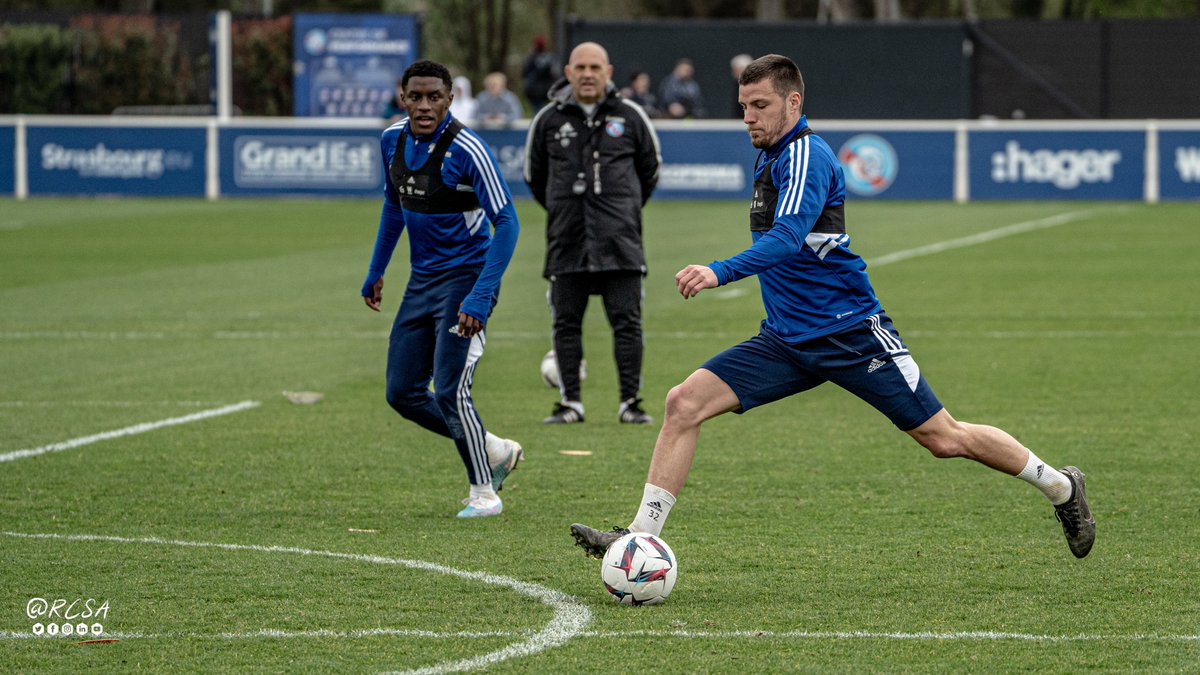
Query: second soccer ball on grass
x=550 y=370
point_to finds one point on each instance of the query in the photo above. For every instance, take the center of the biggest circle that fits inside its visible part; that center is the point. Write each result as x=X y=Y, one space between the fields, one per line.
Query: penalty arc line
x=571 y=616
x=127 y=431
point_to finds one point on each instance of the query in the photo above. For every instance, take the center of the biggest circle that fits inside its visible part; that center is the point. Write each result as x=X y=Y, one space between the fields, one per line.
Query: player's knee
x=405 y=404
x=567 y=324
x=682 y=407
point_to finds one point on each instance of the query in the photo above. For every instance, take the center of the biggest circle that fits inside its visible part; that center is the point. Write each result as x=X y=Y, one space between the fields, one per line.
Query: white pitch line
x=963 y=636
x=127 y=431
x=973 y=635
x=980 y=238
x=570 y=615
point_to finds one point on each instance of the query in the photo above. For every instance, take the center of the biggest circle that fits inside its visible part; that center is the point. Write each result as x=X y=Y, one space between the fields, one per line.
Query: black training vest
x=762 y=205
x=422 y=190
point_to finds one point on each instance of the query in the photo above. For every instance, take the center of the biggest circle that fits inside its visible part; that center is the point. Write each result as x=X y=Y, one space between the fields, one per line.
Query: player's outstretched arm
x=693 y=279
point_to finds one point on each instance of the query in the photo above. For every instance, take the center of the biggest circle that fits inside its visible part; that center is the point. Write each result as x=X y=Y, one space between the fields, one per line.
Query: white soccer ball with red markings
x=550 y=370
x=639 y=569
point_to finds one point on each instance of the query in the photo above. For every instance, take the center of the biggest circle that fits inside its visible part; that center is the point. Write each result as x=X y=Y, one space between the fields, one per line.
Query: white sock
x=1054 y=484
x=484 y=492
x=652 y=514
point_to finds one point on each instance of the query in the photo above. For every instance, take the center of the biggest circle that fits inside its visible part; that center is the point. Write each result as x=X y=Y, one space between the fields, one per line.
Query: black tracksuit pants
x=622 y=295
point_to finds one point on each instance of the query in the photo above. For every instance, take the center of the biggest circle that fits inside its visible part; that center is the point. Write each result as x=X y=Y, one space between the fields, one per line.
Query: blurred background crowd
x=106 y=56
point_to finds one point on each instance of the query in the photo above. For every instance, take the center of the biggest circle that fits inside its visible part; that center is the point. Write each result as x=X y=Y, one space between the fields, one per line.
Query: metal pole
x=20 y=161
x=212 y=162
x=224 y=66
x=1152 y=184
x=962 y=164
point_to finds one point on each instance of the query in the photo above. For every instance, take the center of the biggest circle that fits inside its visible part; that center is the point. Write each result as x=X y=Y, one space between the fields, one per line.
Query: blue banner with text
x=1056 y=164
x=346 y=65
x=130 y=160
x=273 y=161
x=1179 y=165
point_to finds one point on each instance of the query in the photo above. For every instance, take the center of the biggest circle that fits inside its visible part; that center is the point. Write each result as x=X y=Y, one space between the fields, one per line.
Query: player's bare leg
x=701 y=397
x=946 y=437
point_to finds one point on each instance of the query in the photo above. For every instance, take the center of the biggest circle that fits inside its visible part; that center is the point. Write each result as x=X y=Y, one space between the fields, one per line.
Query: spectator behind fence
x=638 y=91
x=539 y=72
x=463 y=104
x=679 y=94
x=736 y=65
x=394 y=110
x=496 y=107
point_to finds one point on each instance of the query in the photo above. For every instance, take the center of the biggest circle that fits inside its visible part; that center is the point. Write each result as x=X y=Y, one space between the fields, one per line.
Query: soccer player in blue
x=444 y=185
x=824 y=324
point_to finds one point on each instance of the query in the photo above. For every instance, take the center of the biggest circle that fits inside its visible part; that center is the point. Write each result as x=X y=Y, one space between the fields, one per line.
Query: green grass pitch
x=812 y=535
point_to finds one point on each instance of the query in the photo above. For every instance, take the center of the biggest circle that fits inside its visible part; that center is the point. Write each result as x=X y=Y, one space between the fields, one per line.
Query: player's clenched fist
x=693 y=279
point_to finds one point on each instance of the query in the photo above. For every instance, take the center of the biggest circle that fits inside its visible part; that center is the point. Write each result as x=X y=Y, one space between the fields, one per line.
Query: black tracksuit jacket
x=592 y=176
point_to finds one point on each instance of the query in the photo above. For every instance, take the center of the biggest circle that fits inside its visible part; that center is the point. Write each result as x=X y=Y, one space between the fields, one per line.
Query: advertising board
x=346 y=65
x=1179 y=165
x=275 y=161
x=116 y=160
x=1057 y=164
x=8 y=161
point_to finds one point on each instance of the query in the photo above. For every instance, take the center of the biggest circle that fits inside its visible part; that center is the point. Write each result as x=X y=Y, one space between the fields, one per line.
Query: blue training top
x=812 y=283
x=445 y=241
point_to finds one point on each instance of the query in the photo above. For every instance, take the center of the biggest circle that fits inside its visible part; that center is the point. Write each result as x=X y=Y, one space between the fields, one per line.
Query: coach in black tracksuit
x=591 y=159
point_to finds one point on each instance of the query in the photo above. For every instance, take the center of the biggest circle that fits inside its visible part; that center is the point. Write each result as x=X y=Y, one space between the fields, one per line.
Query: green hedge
x=262 y=66
x=35 y=62
x=129 y=60
x=101 y=62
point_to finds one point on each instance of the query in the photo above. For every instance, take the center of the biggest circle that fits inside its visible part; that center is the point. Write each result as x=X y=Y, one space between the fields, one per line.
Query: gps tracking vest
x=762 y=205
x=422 y=190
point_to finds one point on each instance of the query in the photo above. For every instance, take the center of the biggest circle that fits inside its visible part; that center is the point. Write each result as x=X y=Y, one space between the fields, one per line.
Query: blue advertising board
x=157 y=161
x=274 y=161
x=8 y=160
x=705 y=165
x=696 y=164
x=346 y=65
x=895 y=164
x=709 y=164
x=1179 y=165
x=1057 y=164
x=509 y=148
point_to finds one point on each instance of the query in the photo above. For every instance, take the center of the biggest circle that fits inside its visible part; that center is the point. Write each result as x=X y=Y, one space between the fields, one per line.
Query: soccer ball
x=550 y=370
x=639 y=569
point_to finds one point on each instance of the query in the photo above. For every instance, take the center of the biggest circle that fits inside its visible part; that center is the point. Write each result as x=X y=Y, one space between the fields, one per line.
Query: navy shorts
x=869 y=360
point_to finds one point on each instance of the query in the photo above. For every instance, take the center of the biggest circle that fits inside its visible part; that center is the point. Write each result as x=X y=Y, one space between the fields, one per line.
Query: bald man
x=591 y=160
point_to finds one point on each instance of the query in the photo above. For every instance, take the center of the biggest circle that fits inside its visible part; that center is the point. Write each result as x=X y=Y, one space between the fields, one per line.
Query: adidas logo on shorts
x=876 y=364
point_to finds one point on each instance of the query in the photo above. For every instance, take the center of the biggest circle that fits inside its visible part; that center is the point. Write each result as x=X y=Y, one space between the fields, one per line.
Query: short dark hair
x=427 y=68
x=783 y=72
